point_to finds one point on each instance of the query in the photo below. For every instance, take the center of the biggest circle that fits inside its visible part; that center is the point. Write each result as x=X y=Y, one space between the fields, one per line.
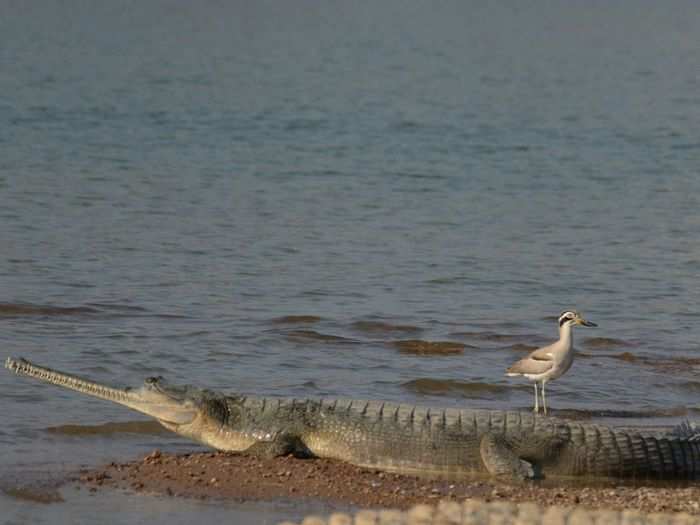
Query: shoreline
x=236 y=477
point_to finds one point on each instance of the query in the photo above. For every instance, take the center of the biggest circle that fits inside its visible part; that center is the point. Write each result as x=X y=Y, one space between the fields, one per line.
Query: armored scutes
x=399 y=438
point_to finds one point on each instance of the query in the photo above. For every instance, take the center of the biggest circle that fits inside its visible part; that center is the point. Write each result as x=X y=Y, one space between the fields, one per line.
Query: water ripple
x=429 y=348
x=374 y=327
x=573 y=413
x=605 y=342
x=316 y=337
x=26 y=309
x=520 y=347
x=494 y=336
x=110 y=429
x=296 y=319
x=471 y=390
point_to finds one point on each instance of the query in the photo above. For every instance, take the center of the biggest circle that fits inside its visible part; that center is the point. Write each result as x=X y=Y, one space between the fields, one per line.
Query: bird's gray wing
x=545 y=353
x=538 y=362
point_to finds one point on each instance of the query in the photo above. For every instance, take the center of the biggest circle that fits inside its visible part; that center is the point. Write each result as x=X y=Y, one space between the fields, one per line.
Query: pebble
x=156 y=454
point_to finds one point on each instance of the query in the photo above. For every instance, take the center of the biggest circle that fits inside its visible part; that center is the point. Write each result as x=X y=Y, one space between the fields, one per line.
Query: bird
x=552 y=361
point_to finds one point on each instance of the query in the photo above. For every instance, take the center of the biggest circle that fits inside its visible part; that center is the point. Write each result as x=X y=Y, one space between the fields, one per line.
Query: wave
x=683 y=360
x=671 y=364
x=420 y=347
x=296 y=319
x=314 y=336
x=118 y=307
x=690 y=386
x=574 y=413
x=493 y=336
x=520 y=347
x=33 y=494
x=472 y=390
x=28 y=309
x=382 y=327
x=605 y=342
x=627 y=357
x=107 y=429
x=679 y=364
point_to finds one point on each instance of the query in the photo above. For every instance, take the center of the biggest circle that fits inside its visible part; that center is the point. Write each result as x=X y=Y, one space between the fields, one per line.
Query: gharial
x=551 y=361
x=400 y=438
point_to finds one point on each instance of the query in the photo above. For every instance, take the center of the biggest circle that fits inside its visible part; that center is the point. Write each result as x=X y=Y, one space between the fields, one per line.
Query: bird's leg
x=544 y=402
x=537 y=400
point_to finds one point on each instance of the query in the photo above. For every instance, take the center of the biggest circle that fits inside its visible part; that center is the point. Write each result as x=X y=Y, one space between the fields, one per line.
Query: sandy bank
x=241 y=478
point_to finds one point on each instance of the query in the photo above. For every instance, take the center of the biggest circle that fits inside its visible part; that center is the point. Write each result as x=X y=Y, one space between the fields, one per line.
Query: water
x=273 y=198
x=121 y=508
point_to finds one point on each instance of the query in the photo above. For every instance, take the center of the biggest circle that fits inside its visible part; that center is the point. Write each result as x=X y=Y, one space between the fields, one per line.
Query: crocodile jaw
x=148 y=400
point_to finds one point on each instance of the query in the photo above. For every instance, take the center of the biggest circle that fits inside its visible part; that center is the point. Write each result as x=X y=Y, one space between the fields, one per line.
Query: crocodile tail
x=686 y=430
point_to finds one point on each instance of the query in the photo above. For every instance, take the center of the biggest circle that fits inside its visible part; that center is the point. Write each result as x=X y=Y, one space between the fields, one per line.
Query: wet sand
x=244 y=478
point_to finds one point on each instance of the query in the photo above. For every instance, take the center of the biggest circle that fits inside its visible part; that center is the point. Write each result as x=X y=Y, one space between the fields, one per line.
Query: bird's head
x=573 y=318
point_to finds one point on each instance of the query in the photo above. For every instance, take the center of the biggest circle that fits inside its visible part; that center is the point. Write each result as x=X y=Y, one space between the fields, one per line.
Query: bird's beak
x=583 y=322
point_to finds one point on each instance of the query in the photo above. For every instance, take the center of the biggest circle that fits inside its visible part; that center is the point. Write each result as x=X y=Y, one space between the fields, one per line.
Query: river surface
x=291 y=198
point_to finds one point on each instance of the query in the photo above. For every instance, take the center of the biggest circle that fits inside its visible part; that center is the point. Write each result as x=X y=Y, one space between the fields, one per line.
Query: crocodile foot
x=500 y=460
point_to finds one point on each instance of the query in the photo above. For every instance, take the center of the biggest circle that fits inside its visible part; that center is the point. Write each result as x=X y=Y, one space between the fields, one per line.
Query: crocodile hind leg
x=280 y=445
x=500 y=460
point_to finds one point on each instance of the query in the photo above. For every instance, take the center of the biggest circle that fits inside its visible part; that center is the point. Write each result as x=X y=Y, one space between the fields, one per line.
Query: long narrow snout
x=146 y=400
